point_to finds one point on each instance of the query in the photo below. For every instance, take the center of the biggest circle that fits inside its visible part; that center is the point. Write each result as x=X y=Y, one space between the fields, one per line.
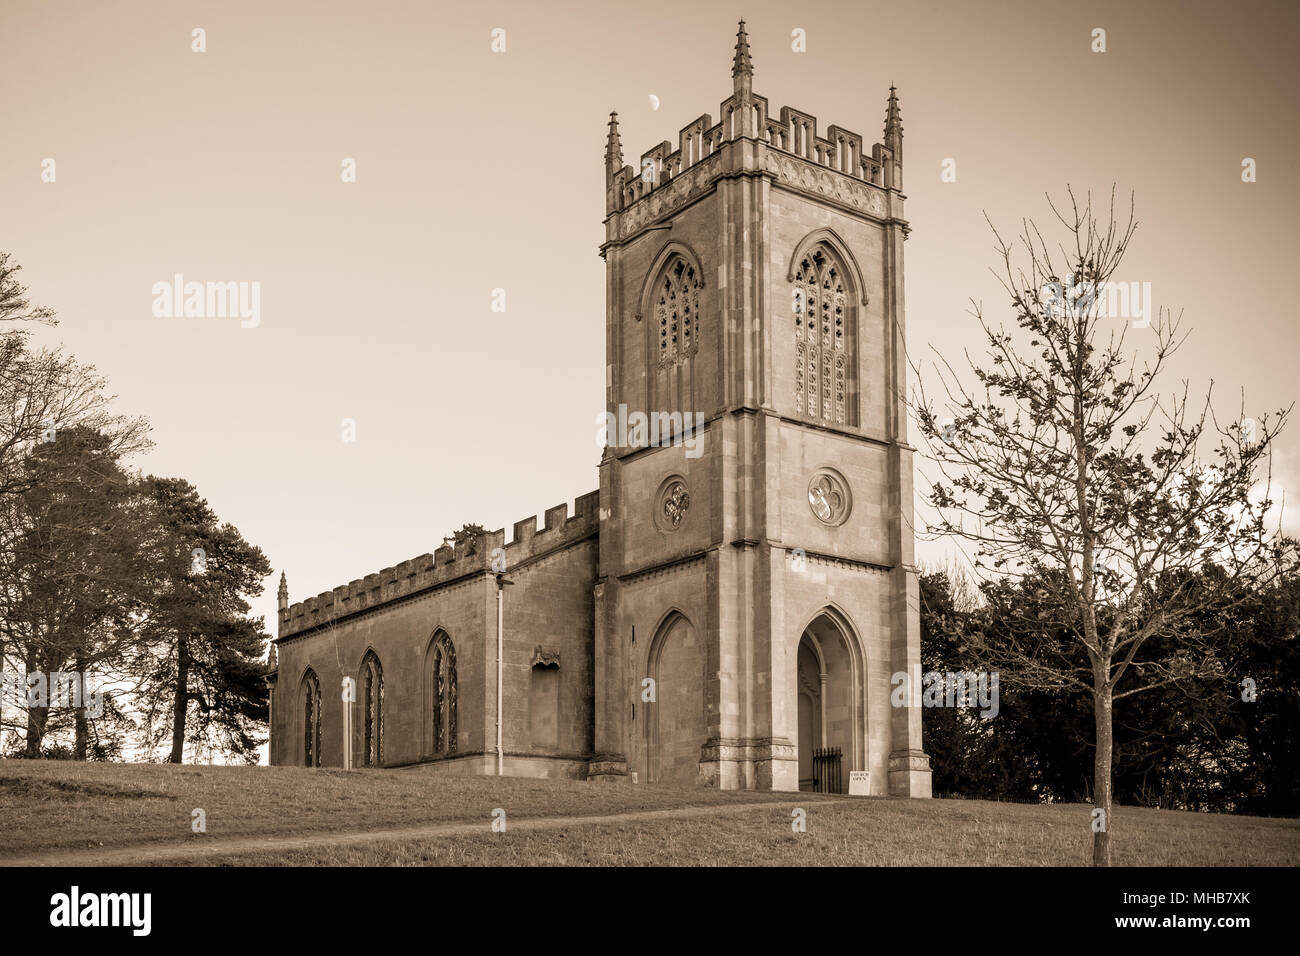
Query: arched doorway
x=810 y=710
x=831 y=705
x=676 y=724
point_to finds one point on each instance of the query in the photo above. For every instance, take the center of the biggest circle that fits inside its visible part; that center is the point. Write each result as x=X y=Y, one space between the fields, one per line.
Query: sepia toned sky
x=479 y=171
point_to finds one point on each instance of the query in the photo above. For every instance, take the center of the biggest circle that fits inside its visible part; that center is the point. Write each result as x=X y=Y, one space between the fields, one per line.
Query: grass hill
x=60 y=812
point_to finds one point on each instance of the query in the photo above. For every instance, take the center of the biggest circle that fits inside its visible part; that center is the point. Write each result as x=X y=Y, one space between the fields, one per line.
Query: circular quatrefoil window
x=828 y=497
x=674 y=501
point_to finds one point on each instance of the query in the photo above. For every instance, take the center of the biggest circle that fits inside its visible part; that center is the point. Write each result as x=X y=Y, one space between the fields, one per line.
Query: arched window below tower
x=311 y=706
x=440 y=697
x=372 y=683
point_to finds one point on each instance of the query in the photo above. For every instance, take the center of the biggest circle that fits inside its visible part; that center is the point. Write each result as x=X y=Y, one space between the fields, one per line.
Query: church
x=730 y=608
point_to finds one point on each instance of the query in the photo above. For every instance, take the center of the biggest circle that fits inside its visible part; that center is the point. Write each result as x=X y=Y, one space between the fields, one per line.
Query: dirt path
x=198 y=848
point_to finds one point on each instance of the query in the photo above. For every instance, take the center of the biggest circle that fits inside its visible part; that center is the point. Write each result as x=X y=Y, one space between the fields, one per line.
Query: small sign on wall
x=859 y=783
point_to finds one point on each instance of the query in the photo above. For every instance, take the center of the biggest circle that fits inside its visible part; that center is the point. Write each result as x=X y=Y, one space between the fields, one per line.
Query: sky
x=479 y=171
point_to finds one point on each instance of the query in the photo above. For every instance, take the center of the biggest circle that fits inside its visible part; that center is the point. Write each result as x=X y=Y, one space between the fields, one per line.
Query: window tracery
x=442 y=680
x=677 y=309
x=311 y=719
x=822 y=347
x=372 y=678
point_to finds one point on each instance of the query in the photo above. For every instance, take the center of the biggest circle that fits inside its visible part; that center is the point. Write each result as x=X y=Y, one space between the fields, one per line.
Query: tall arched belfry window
x=440 y=693
x=677 y=331
x=372 y=683
x=311 y=702
x=823 y=335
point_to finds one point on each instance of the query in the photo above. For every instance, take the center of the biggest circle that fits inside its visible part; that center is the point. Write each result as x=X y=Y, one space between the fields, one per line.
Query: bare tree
x=44 y=393
x=14 y=304
x=1058 y=459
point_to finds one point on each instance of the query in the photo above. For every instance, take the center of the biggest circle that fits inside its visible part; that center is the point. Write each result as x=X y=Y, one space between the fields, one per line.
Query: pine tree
x=200 y=677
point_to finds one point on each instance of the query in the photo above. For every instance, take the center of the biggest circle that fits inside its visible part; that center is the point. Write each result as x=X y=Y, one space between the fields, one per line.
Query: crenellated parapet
x=472 y=557
x=559 y=530
x=788 y=141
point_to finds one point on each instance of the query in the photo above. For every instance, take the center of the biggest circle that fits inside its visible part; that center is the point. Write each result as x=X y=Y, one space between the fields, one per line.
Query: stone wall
x=548 y=619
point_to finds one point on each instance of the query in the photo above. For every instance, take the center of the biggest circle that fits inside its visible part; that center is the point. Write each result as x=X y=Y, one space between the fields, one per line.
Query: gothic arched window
x=440 y=677
x=311 y=702
x=677 y=311
x=372 y=683
x=822 y=351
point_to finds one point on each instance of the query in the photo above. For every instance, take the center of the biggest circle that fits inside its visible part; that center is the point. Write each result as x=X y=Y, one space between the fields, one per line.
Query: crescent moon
x=654 y=102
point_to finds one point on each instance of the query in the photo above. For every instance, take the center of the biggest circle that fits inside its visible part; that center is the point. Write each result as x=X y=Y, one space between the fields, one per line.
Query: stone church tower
x=733 y=606
x=756 y=589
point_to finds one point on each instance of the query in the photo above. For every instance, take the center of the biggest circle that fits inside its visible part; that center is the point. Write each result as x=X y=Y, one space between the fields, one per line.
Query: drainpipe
x=500 y=599
x=349 y=696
